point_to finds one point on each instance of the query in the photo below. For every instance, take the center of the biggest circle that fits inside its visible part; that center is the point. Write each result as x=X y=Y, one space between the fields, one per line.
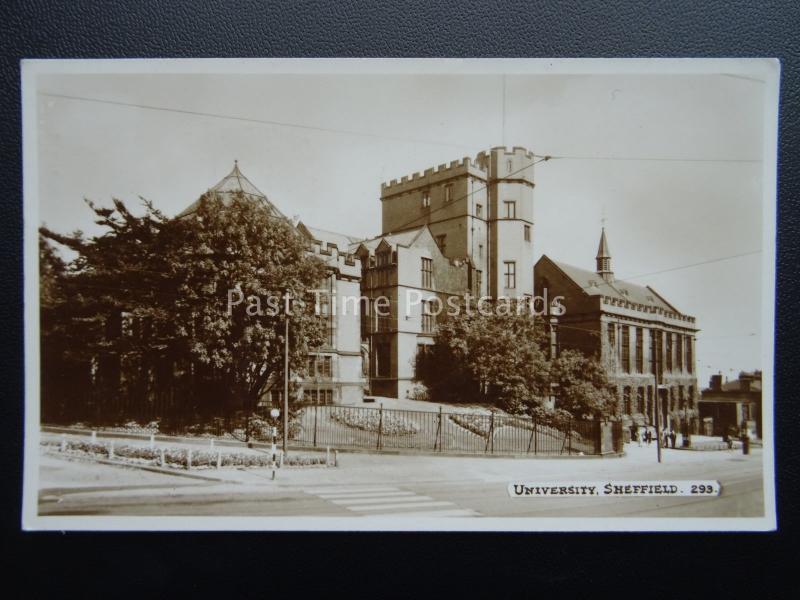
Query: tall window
x=511 y=209
x=426 y=199
x=326 y=315
x=478 y=281
x=639 y=350
x=669 y=351
x=690 y=399
x=656 y=348
x=479 y=210
x=689 y=358
x=427 y=318
x=509 y=165
x=448 y=192
x=625 y=349
x=320 y=366
x=626 y=400
x=640 y=400
x=427 y=273
x=527 y=232
x=510 y=274
x=612 y=336
x=383 y=360
x=480 y=250
x=679 y=352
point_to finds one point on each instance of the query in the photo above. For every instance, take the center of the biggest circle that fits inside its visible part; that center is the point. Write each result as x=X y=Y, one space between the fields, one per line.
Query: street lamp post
x=286 y=374
x=274 y=413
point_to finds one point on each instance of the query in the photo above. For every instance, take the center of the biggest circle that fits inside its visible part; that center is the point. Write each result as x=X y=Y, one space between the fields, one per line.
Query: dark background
x=491 y=565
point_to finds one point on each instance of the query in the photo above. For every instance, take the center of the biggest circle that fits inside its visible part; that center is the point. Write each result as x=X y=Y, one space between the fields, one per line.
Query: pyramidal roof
x=232 y=184
x=602 y=249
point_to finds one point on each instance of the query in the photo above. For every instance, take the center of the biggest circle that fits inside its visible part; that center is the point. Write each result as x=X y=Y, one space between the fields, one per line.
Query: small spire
x=602 y=249
x=603 y=258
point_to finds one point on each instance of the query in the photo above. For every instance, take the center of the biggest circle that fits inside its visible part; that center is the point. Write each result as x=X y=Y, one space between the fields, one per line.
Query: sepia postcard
x=399 y=294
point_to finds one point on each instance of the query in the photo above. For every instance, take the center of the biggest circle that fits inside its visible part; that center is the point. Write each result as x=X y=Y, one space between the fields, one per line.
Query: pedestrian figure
x=639 y=437
x=672 y=437
x=665 y=441
x=648 y=437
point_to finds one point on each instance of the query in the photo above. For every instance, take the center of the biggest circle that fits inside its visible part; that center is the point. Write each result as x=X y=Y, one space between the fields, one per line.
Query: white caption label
x=629 y=489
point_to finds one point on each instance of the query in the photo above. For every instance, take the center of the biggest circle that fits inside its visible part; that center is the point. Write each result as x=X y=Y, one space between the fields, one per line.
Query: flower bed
x=178 y=457
x=476 y=423
x=370 y=420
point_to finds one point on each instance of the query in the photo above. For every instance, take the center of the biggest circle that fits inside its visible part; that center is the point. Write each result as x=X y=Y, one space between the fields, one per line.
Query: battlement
x=477 y=167
x=430 y=176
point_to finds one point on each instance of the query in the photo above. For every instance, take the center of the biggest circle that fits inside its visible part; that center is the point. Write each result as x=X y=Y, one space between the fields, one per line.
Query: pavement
x=417 y=486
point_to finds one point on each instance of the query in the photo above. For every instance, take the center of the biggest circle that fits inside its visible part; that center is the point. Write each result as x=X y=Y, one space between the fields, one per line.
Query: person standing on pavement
x=672 y=437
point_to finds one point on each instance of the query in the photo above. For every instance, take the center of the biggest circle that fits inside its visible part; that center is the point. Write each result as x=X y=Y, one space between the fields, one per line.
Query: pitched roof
x=230 y=185
x=403 y=238
x=342 y=241
x=593 y=284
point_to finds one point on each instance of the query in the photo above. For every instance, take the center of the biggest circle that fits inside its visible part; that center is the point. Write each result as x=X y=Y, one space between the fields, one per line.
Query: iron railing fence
x=367 y=428
x=357 y=427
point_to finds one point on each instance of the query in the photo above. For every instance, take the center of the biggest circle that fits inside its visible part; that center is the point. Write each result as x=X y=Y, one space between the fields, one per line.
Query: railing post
x=569 y=433
x=438 y=441
x=316 y=406
x=380 y=426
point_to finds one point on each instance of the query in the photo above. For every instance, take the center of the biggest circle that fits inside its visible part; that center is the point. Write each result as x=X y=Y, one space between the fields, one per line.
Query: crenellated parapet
x=488 y=163
x=432 y=176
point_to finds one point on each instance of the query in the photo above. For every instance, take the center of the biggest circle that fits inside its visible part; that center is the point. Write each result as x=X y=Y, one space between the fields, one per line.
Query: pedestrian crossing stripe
x=385 y=500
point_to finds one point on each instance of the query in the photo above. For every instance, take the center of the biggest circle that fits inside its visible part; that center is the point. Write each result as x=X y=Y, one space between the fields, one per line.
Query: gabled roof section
x=342 y=241
x=403 y=238
x=232 y=184
x=593 y=284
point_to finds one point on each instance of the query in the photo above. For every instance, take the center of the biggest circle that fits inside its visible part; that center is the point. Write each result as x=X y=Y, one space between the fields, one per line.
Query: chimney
x=716 y=383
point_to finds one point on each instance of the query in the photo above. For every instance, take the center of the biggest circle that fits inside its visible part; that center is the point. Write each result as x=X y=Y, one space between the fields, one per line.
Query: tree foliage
x=501 y=356
x=151 y=295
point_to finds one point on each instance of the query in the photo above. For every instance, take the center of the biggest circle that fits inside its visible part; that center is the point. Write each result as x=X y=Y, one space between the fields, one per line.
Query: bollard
x=64 y=443
x=335 y=458
x=188 y=458
x=163 y=461
x=219 y=460
x=111 y=450
x=152 y=441
x=94 y=436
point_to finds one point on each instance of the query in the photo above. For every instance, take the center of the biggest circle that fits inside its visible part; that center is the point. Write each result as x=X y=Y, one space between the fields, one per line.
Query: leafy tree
x=234 y=262
x=583 y=388
x=152 y=294
x=492 y=356
x=498 y=356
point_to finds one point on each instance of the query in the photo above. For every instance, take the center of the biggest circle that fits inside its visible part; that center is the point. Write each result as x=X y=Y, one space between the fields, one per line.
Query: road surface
x=406 y=485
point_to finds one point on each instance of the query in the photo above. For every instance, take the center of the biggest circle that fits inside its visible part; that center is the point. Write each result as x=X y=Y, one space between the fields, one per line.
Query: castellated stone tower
x=478 y=210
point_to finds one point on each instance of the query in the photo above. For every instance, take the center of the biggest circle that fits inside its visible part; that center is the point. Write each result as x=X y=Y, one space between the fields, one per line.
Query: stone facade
x=409 y=271
x=633 y=331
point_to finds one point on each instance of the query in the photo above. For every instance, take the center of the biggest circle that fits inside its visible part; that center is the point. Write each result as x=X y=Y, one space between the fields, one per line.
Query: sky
x=671 y=163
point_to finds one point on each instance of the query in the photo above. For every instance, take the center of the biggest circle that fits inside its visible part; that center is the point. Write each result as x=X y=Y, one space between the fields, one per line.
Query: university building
x=462 y=227
x=467 y=227
x=634 y=331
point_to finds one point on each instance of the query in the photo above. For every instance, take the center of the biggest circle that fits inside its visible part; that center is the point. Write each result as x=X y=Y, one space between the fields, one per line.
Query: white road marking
x=356 y=501
x=386 y=501
x=395 y=506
